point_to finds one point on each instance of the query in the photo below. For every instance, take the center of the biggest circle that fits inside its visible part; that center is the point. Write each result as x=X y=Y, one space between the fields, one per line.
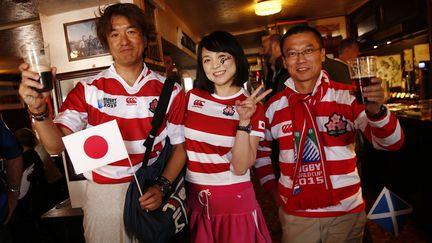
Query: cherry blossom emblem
x=229 y=110
x=153 y=105
x=336 y=125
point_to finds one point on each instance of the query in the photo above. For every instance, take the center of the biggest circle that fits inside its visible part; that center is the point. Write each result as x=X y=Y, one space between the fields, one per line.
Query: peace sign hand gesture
x=247 y=107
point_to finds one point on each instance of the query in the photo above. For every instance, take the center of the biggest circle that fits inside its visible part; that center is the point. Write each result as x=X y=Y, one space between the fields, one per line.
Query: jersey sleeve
x=73 y=112
x=257 y=122
x=175 y=116
x=263 y=166
x=384 y=133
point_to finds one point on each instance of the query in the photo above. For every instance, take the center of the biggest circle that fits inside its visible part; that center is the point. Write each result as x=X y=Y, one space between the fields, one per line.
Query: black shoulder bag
x=160 y=225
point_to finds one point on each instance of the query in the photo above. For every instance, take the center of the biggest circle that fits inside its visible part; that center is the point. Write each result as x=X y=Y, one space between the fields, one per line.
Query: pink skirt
x=225 y=214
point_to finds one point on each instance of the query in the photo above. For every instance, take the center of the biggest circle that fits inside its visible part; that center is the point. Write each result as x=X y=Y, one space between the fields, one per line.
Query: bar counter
x=62 y=224
x=406 y=171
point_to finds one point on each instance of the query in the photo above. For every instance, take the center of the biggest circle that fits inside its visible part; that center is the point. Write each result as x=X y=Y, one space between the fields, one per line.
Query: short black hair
x=302 y=29
x=221 y=41
x=132 y=12
x=346 y=43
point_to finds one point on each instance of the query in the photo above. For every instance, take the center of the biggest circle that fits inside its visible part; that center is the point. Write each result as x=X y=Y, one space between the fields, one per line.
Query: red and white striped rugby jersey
x=106 y=97
x=210 y=130
x=338 y=117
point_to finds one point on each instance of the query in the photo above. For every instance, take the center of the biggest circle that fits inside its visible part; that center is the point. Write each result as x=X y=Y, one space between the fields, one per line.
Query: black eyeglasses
x=305 y=53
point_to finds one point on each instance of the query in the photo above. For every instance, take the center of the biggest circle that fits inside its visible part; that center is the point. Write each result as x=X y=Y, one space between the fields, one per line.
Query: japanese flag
x=96 y=146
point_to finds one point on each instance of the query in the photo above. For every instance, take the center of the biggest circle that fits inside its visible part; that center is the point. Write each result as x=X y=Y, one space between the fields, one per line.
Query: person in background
x=125 y=92
x=338 y=68
x=315 y=121
x=348 y=49
x=168 y=63
x=276 y=73
x=170 y=66
x=11 y=151
x=52 y=172
x=34 y=174
x=34 y=198
x=223 y=126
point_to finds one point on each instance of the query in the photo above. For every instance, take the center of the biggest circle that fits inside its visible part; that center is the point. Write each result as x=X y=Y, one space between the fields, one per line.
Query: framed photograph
x=154 y=50
x=187 y=42
x=408 y=60
x=390 y=70
x=65 y=83
x=81 y=40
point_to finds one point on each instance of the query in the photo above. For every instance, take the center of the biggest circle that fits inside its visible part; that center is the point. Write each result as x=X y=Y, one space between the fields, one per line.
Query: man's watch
x=164 y=184
x=380 y=114
x=247 y=128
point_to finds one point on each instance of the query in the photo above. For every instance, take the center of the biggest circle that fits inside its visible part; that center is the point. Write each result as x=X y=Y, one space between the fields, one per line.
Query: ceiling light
x=264 y=8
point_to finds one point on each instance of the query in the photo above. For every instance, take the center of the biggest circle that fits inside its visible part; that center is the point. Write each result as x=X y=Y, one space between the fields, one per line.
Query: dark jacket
x=276 y=83
x=337 y=70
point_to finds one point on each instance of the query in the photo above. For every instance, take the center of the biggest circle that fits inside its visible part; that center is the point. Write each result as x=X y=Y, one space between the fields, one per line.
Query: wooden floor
x=411 y=232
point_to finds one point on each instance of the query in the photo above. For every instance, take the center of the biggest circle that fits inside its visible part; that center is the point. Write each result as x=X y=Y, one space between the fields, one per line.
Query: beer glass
x=37 y=55
x=362 y=70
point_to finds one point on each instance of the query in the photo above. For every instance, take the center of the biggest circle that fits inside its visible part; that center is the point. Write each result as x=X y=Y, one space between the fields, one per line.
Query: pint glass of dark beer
x=362 y=70
x=37 y=55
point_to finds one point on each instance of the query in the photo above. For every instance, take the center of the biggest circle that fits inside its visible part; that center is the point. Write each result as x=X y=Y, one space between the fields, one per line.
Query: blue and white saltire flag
x=390 y=211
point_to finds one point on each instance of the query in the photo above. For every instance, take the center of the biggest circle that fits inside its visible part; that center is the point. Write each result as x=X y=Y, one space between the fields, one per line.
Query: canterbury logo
x=287 y=128
x=198 y=103
x=131 y=101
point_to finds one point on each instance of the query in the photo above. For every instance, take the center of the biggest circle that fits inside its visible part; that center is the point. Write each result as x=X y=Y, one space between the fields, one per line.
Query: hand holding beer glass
x=37 y=55
x=362 y=70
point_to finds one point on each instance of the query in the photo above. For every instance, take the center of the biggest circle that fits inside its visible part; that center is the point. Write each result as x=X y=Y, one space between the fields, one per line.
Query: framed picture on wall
x=154 y=50
x=81 y=40
x=390 y=70
x=408 y=60
x=65 y=83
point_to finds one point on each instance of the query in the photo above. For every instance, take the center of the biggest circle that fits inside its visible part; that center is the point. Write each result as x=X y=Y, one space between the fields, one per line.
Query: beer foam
x=40 y=68
x=364 y=76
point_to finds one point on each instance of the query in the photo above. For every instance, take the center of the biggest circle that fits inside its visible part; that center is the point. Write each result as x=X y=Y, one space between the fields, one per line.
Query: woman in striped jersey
x=223 y=126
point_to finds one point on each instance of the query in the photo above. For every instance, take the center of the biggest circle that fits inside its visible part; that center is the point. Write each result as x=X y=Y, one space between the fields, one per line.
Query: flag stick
x=135 y=177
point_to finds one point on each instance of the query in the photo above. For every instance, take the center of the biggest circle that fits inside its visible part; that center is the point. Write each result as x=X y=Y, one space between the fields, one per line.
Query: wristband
x=381 y=113
x=247 y=128
x=164 y=184
x=40 y=116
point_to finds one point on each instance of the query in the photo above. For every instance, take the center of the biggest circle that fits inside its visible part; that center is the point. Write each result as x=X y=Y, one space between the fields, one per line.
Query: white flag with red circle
x=96 y=146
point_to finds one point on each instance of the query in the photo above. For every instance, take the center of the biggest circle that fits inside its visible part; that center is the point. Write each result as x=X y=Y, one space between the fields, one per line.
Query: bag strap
x=159 y=114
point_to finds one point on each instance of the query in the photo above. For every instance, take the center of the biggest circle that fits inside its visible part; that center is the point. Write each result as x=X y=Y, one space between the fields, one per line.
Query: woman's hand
x=247 y=107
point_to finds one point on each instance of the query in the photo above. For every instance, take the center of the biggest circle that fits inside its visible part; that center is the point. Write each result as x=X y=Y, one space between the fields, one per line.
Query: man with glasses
x=315 y=120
